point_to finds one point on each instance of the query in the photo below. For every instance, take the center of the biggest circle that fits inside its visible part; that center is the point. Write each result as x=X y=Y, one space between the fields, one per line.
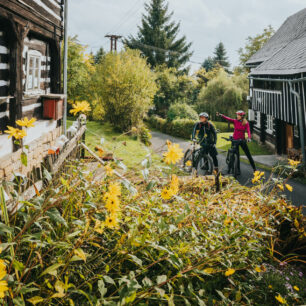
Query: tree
x=80 y=68
x=254 y=44
x=208 y=64
x=220 y=56
x=224 y=93
x=99 y=56
x=123 y=87
x=173 y=87
x=157 y=38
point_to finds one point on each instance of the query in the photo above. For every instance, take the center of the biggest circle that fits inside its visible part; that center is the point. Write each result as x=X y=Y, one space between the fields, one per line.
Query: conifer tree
x=220 y=57
x=157 y=37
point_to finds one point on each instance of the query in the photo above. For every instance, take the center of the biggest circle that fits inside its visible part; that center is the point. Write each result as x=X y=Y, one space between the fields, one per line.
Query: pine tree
x=99 y=56
x=157 y=37
x=208 y=64
x=220 y=56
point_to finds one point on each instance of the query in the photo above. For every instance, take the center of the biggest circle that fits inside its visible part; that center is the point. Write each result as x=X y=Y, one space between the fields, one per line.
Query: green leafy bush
x=181 y=111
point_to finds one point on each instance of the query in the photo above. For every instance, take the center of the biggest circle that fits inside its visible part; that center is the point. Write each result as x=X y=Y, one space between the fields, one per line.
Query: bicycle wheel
x=236 y=165
x=231 y=163
x=188 y=160
x=205 y=165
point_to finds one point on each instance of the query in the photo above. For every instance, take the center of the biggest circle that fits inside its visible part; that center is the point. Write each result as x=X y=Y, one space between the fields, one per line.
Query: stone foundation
x=38 y=151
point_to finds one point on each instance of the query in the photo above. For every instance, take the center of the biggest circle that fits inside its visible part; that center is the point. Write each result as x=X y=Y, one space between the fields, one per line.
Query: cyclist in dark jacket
x=205 y=133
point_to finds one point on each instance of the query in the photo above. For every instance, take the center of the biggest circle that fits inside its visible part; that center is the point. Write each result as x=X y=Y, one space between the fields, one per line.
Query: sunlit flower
x=109 y=170
x=189 y=163
x=114 y=189
x=174 y=154
x=17 y=133
x=257 y=176
x=230 y=272
x=293 y=163
x=296 y=288
x=227 y=221
x=112 y=204
x=111 y=222
x=281 y=299
x=26 y=122
x=80 y=107
x=280 y=186
x=167 y=194
x=270 y=287
x=3 y=288
x=3 y=283
x=174 y=185
x=289 y=187
x=296 y=223
x=258 y=269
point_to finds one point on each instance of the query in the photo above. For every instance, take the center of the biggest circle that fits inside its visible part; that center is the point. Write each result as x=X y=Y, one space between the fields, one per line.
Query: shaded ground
x=298 y=196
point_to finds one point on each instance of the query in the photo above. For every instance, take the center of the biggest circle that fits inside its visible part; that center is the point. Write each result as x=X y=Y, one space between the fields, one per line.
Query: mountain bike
x=199 y=160
x=232 y=158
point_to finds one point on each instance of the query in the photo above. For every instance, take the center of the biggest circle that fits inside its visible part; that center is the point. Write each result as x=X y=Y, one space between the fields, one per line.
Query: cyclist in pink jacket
x=241 y=126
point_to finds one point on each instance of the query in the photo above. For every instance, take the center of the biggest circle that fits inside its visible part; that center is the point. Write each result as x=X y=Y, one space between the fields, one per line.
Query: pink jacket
x=239 y=128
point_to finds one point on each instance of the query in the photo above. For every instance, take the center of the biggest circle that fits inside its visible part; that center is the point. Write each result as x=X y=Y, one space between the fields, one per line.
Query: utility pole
x=65 y=64
x=113 y=41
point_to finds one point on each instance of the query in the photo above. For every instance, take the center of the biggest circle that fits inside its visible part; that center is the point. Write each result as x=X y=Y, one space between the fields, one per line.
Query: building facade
x=277 y=88
x=31 y=32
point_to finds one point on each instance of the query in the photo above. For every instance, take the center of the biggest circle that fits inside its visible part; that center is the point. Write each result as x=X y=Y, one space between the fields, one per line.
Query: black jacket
x=205 y=132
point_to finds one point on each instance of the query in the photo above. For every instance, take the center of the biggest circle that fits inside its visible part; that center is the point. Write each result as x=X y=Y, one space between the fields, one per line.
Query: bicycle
x=232 y=158
x=195 y=159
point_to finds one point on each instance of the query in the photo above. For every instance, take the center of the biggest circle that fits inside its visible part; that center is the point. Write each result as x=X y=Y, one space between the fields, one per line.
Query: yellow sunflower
x=111 y=221
x=17 y=133
x=174 y=154
x=114 y=189
x=80 y=107
x=26 y=122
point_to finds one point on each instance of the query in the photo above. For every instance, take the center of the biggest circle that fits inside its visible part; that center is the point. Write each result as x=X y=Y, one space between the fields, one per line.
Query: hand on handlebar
x=249 y=140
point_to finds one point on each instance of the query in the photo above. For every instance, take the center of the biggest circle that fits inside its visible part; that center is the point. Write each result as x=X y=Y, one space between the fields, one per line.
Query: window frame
x=35 y=55
x=270 y=124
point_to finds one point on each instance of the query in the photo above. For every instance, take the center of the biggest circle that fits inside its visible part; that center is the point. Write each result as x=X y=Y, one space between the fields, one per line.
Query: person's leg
x=247 y=152
x=213 y=153
x=238 y=155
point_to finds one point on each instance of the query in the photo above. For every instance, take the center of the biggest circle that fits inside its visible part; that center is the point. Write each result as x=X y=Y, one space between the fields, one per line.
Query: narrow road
x=298 y=196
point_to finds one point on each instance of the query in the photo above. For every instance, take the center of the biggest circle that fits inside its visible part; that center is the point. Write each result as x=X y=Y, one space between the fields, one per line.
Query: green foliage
x=220 y=57
x=79 y=71
x=181 y=111
x=223 y=94
x=173 y=87
x=158 y=37
x=98 y=57
x=254 y=44
x=208 y=64
x=123 y=88
x=144 y=135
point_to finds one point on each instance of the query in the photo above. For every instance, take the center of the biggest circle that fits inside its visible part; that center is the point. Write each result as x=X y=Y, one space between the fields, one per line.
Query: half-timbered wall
x=4 y=79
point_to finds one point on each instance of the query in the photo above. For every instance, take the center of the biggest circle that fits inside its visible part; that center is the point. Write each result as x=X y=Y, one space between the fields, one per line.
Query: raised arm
x=228 y=118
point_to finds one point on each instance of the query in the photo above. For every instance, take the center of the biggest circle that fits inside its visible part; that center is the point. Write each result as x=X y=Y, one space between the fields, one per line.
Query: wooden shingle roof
x=285 y=52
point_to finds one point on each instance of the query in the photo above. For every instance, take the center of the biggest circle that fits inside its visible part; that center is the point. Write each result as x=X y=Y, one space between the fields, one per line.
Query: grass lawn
x=255 y=148
x=131 y=151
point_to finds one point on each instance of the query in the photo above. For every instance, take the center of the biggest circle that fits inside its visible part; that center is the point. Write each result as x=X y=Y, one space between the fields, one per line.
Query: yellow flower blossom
x=280 y=186
x=174 y=154
x=111 y=221
x=26 y=122
x=257 y=176
x=3 y=283
x=189 y=163
x=174 y=185
x=99 y=226
x=258 y=269
x=296 y=223
x=289 y=187
x=3 y=288
x=167 y=194
x=270 y=287
x=17 y=133
x=280 y=299
x=114 y=189
x=80 y=107
x=293 y=163
x=109 y=170
x=296 y=288
x=230 y=272
x=112 y=204
x=227 y=221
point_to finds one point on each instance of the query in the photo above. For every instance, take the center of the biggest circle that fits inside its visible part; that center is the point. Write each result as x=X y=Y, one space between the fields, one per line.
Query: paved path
x=298 y=196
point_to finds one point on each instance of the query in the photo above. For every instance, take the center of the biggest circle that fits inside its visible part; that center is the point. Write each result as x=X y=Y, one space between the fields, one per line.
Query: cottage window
x=270 y=124
x=33 y=71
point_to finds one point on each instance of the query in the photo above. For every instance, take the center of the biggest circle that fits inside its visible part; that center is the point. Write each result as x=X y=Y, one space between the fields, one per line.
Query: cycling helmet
x=204 y=115
x=241 y=113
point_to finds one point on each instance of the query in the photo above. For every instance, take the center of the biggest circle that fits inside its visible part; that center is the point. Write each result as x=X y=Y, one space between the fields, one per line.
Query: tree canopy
x=123 y=87
x=220 y=56
x=158 y=39
x=253 y=44
x=208 y=63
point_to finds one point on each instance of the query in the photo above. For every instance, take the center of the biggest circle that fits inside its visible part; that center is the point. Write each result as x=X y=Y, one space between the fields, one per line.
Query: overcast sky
x=204 y=22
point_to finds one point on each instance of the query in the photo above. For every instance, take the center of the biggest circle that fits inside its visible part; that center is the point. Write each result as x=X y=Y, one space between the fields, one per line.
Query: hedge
x=182 y=127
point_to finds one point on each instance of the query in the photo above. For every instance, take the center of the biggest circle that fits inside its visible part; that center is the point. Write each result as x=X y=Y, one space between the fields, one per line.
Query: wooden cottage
x=31 y=32
x=277 y=88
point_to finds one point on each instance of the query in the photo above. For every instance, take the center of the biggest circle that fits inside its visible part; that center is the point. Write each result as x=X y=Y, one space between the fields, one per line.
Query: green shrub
x=144 y=135
x=181 y=111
